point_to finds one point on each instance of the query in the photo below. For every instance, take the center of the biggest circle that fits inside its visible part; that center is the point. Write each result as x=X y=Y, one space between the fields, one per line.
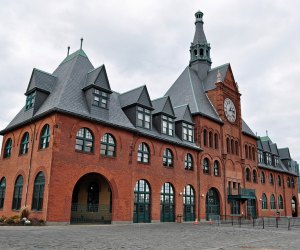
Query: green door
x=188 y=203
x=142 y=206
x=212 y=205
x=251 y=208
x=167 y=204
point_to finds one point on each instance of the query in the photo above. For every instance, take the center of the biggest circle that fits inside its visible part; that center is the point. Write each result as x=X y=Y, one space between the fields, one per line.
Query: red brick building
x=78 y=151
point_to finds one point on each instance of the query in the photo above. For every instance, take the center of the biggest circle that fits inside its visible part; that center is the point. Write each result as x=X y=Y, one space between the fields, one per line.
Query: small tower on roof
x=200 y=49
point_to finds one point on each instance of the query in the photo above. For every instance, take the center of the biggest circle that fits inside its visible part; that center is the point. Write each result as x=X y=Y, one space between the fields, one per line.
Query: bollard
x=263 y=222
x=289 y=223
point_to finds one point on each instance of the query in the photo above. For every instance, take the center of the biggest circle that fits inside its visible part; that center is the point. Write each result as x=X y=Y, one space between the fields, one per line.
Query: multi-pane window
x=38 y=192
x=143 y=117
x=206 y=166
x=268 y=159
x=30 y=101
x=288 y=182
x=216 y=168
x=276 y=161
x=143 y=153
x=279 y=180
x=260 y=156
x=280 y=202
x=264 y=202
x=254 y=176
x=248 y=174
x=2 y=192
x=272 y=202
x=168 y=158
x=108 y=145
x=24 y=144
x=100 y=98
x=167 y=125
x=188 y=162
x=292 y=182
x=271 y=179
x=17 y=196
x=188 y=132
x=262 y=178
x=7 y=148
x=84 y=140
x=45 y=137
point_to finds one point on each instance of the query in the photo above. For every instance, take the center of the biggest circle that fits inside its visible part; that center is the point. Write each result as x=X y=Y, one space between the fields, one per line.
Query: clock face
x=229 y=110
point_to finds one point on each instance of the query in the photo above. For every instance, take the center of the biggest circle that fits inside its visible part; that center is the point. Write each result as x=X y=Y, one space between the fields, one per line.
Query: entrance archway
x=212 y=204
x=142 y=205
x=294 y=207
x=91 y=200
x=167 y=203
x=251 y=208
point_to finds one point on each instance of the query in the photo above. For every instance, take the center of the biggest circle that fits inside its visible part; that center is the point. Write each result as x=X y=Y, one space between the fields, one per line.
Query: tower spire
x=200 y=48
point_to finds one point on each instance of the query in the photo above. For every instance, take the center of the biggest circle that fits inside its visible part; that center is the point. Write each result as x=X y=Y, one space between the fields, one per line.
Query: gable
x=102 y=79
x=41 y=80
x=144 y=98
x=229 y=80
x=187 y=116
x=168 y=109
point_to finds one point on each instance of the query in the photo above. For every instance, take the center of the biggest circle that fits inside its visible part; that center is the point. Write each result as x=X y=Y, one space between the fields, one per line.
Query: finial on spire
x=199 y=16
x=81 y=41
x=68 y=50
x=219 y=76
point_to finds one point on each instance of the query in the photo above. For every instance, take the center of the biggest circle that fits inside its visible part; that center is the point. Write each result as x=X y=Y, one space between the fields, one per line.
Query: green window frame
x=188 y=162
x=30 y=101
x=17 y=196
x=100 y=98
x=143 y=118
x=45 y=137
x=280 y=202
x=248 y=175
x=288 y=182
x=271 y=179
x=272 y=202
x=292 y=182
x=279 y=180
x=260 y=156
x=84 y=140
x=167 y=203
x=188 y=203
x=263 y=178
x=216 y=168
x=168 y=159
x=167 y=125
x=38 y=192
x=143 y=153
x=24 y=147
x=254 y=176
x=2 y=192
x=7 y=148
x=264 y=201
x=108 y=145
x=206 y=166
x=142 y=202
x=187 y=132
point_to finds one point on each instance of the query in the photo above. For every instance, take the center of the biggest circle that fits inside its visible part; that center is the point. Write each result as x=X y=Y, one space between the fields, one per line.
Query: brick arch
x=171 y=147
x=148 y=142
x=49 y=121
x=38 y=170
x=83 y=124
x=22 y=132
x=20 y=172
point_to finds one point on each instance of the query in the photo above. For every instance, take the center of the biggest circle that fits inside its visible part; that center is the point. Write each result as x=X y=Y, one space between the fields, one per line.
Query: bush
x=9 y=221
x=24 y=212
x=2 y=219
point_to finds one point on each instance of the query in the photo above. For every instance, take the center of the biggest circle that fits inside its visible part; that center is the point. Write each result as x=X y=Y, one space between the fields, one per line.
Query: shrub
x=2 y=218
x=9 y=221
x=24 y=212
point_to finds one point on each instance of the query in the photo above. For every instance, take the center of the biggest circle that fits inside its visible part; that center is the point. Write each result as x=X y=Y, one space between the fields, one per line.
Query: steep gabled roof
x=284 y=153
x=246 y=130
x=183 y=113
x=41 y=80
x=139 y=95
x=211 y=79
x=97 y=78
x=163 y=105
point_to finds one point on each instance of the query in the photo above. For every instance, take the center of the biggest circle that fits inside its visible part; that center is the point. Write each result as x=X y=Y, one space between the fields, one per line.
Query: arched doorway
x=251 y=209
x=91 y=200
x=188 y=203
x=294 y=207
x=142 y=205
x=212 y=204
x=167 y=203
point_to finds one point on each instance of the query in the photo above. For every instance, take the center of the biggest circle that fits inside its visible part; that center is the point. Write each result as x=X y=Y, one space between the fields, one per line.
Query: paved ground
x=146 y=236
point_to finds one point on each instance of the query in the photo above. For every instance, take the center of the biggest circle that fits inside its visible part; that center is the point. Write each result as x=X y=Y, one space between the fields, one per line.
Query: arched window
x=236 y=148
x=280 y=202
x=188 y=203
x=38 y=192
x=108 y=145
x=254 y=176
x=143 y=153
x=216 y=141
x=248 y=174
x=167 y=203
x=250 y=153
x=272 y=202
x=24 y=144
x=216 y=168
x=17 y=197
x=228 y=145
x=253 y=154
x=188 y=162
x=288 y=182
x=2 y=192
x=45 y=137
x=232 y=146
x=246 y=151
x=7 y=148
x=279 y=180
x=264 y=202
x=263 y=178
x=292 y=182
x=84 y=140
x=206 y=166
x=201 y=52
x=195 y=52
x=142 y=202
x=210 y=139
x=271 y=179
x=205 y=137
x=168 y=158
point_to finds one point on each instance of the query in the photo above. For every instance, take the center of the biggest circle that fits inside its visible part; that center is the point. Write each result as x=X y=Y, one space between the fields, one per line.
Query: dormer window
x=260 y=156
x=167 y=125
x=30 y=100
x=143 y=118
x=188 y=132
x=268 y=159
x=100 y=98
x=276 y=161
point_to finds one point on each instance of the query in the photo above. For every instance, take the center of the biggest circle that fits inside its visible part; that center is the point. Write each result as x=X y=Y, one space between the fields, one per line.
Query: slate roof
x=41 y=80
x=211 y=79
x=284 y=153
x=163 y=105
x=246 y=129
x=183 y=113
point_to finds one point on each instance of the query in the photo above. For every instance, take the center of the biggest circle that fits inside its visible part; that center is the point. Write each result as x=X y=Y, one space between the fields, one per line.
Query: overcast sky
x=147 y=42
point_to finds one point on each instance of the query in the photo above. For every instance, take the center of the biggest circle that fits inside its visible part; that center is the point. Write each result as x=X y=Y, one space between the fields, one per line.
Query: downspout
x=30 y=165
